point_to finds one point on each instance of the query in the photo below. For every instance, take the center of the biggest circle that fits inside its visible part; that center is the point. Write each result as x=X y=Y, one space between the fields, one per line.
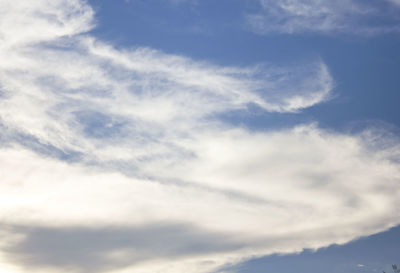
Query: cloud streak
x=121 y=154
x=365 y=18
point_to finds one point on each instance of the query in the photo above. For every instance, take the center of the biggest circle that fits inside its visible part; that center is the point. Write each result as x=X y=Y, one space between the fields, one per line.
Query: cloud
x=106 y=248
x=397 y=2
x=326 y=17
x=79 y=93
x=116 y=160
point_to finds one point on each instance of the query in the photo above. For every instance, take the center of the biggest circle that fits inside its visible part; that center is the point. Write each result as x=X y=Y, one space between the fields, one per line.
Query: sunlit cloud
x=116 y=160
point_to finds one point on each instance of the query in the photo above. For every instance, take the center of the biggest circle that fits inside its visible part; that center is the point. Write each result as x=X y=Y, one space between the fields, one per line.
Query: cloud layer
x=117 y=160
x=327 y=17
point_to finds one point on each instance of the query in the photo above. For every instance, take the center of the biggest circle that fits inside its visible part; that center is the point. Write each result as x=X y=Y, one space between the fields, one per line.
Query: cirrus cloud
x=117 y=160
x=326 y=17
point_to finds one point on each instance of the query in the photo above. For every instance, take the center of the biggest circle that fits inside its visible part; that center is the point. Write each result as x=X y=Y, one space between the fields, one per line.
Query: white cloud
x=326 y=17
x=122 y=153
x=397 y=2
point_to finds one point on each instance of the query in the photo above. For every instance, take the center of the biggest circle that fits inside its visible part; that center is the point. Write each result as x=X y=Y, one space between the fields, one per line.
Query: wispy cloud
x=121 y=153
x=326 y=17
x=397 y=2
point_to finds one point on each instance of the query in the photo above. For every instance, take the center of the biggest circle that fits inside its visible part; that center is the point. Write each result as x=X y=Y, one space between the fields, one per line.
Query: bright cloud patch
x=116 y=161
x=327 y=17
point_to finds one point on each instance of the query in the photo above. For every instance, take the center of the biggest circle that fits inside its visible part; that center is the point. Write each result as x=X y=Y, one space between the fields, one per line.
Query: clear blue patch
x=98 y=125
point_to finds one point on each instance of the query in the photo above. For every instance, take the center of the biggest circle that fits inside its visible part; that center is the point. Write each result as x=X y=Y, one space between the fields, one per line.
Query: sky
x=199 y=136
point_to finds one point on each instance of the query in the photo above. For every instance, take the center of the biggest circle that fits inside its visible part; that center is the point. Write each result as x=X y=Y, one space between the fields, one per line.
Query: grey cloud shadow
x=82 y=249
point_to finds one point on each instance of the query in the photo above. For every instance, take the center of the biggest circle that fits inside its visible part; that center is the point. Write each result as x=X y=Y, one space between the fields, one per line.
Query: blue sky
x=369 y=254
x=199 y=136
x=364 y=68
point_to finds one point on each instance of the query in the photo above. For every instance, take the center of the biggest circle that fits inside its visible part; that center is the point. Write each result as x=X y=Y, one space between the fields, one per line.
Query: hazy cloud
x=121 y=153
x=326 y=17
x=80 y=249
